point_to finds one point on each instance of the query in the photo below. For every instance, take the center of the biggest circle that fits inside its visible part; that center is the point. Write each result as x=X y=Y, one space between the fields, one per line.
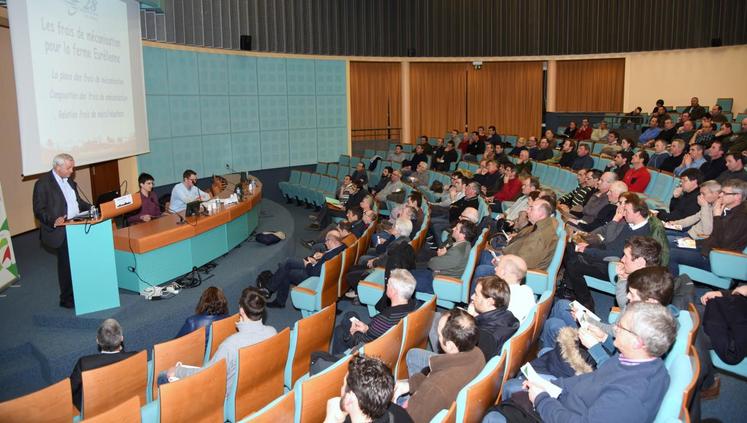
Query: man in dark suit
x=55 y=199
x=111 y=344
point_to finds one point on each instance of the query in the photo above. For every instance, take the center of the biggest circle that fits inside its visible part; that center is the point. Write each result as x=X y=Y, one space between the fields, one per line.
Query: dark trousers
x=341 y=337
x=327 y=214
x=64 y=278
x=688 y=257
x=576 y=267
x=291 y=271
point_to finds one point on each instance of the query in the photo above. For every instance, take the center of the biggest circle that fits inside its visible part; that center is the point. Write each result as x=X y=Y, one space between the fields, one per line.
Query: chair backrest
x=469 y=269
x=348 y=259
x=543 y=310
x=188 y=349
x=417 y=324
x=198 y=398
x=364 y=241
x=450 y=415
x=309 y=334
x=220 y=330
x=52 y=404
x=683 y=374
x=282 y=409
x=295 y=177
x=517 y=347
x=131 y=376
x=387 y=346
x=480 y=394
x=260 y=376
x=696 y=324
x=126 y=412
x=681 y=341
x=315 y=391
x=329 y=278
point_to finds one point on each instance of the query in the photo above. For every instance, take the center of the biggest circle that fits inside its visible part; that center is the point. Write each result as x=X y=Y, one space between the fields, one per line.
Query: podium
x=92 y=266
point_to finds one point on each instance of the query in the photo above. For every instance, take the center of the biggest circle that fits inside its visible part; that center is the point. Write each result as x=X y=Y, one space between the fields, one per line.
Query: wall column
x=552 y=72
x=405 y=136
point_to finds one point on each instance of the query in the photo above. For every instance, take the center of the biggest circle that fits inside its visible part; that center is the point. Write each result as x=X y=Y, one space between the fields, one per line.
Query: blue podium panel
x=209 y=245
x=237 y=230
x=154 y=267
x=92 y=267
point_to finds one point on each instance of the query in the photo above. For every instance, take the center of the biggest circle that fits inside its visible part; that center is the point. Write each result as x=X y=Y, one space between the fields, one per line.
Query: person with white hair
x=352 y=331
x=56 y=199
x=629 y=387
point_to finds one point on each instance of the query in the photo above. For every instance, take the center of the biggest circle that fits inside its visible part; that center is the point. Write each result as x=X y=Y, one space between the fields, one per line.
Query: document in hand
x=528 y=371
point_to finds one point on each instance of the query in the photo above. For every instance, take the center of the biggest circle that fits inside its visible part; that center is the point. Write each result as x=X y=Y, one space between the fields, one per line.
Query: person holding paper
x=55 y=200
x=186 y=192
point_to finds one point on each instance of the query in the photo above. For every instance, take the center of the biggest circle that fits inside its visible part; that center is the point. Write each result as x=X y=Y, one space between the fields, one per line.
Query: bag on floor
x=269 y=238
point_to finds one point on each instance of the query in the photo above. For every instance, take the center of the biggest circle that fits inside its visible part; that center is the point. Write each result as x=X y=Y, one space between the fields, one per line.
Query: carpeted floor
x=40 y=342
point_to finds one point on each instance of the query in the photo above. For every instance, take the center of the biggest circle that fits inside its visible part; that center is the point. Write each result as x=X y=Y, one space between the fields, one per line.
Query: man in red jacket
x=638 y=177
x=511 y=187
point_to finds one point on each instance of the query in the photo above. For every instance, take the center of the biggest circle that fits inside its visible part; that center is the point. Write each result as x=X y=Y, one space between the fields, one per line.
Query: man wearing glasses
x=186 y=192
x=729 y=229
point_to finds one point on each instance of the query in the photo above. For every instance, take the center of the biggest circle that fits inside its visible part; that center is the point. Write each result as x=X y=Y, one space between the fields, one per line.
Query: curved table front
x=155 y=252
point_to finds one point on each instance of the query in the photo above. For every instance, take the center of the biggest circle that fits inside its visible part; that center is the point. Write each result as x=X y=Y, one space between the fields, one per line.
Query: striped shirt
x=385 y=320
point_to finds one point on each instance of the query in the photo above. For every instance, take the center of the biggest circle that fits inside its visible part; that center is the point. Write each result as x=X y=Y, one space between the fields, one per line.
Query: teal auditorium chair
x=726 y=267
x=332 y=169
x=345 y=160
x=606 y=286
x=480 y=393
x=450 y=291
x=317 y=292
x=661 y=190
x=739 y=369
x=511 y=139
x=309 y=334
x=287 y=187
x=544 y=280
x=683 y=373
x=321 y=168
x=311 y=395
x=725 y=103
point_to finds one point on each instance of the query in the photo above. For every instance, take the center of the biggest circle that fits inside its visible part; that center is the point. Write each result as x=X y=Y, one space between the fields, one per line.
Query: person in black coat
x=111 y=344
x=684 y=200
x=55 y=200
x=489 y=305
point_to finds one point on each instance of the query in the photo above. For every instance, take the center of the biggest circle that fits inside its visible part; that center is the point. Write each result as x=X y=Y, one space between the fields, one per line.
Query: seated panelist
x=186 y=192
x=150 y=207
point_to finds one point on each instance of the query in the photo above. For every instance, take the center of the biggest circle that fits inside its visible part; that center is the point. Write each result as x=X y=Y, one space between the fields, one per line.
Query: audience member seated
x=449 y=372
x=366 y=395
x=695 y=110
x=567 y=154
x=734 y=168
x=186 y=192
x=395 y=184
x=660 y=154
x=213 y=306
x=677 y=150
x=398 y=155
x=345 y=190
x=417 y=157
x=419 y=178
x=150 y=207
x=638 y=176
x=651 y=132
x=667 y=133
x=581 y=194
x=716 y=164
x=588 y=209
x=684 y=200
x=511 y=269
x=510 y=188
x=359 y=174
x=250 y=331
x=738 y=142
x=110 y=342
x=384 y=179
x=524 y=163
x=686 y=131
x=587 y=255
x=521 y=145
x=620 y=164
x=440 y=223
x=528 y=184
x=600 y=134
x=450 y=259
x=704 y=135
x=488 y=177
x=606 y=213
x=583 y=159
x=294 y=271
x=570 y=130
x=628 y=387
x=442 y=162
x=351 y=331
x=729 y=229
x=584 y=131
x=545 y=151
x=698 y=225
x=359 y=197
x=692 y=160
x=613 y=145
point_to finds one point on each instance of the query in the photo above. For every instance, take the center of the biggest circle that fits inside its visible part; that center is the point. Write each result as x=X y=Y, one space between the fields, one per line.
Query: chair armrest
x=303 y=290
x=449 y=279
x=372 y=285
x=728 y=252
x=537 y=272
x=615 y=310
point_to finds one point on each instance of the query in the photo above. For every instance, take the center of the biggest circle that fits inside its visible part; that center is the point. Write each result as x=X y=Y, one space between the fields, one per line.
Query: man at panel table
x=186 y=191
x=150 y=207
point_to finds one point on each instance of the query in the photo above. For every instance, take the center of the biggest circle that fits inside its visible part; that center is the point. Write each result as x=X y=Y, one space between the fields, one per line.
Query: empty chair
x=387 y=346
x=317 y=292
x=415 y=334
x=131 y=376
x=480 y=394
x=197 y=398
x=260 y=377
x=309 y=334
x=52 y=404
x=312 y=394
x=188 y=349
x=282 y=409
x=219 y=331
x=126 y=412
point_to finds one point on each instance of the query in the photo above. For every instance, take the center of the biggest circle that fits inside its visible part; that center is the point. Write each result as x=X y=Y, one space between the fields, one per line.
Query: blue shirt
x=695 y=164
x=648 y=135
x=180 y=196
x=70 y=197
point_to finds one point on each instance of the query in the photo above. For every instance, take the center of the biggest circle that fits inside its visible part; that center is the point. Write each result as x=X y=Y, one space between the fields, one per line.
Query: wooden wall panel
x=507 y=95
x=437 y=94
x=375 y=87
x=590 y=85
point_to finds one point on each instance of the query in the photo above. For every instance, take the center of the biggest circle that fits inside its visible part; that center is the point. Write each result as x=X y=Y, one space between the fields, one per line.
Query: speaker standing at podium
x=55 y=199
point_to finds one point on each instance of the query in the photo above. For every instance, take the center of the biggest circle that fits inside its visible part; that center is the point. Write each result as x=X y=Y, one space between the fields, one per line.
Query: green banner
x=8 y=269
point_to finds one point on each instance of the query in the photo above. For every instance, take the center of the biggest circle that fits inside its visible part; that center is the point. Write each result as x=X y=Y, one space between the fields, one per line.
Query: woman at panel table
x=150 y=207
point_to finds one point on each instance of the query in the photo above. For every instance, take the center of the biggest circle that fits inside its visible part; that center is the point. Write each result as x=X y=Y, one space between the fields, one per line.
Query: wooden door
x=105 y=178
